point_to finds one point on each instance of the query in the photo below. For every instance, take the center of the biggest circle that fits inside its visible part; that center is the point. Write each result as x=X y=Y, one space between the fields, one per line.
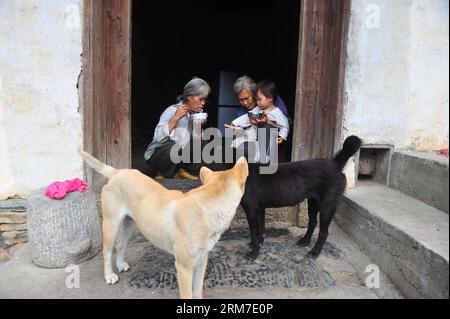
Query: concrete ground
x=281 y=271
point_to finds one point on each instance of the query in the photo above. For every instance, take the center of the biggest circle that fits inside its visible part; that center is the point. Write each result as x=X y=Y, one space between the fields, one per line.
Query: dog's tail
x=103 y=169
x=351 y=146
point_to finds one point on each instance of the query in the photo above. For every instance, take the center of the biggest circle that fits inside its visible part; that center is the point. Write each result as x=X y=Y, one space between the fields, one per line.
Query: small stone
x=298 y=258
x=2 y=241
x=12 y=227
x=12 y=250
x=13 y=205
x=295 y=231
x=13 y=217
x=15 y=237
x=346 y=279
x=4 y=255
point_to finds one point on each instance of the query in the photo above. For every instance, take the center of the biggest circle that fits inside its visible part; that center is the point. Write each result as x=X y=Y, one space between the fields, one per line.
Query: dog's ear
x=241 y=160
x=241 y=167
x=205 y=173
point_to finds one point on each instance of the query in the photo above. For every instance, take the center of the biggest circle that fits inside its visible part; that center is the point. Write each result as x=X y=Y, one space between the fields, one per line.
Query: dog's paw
x=252 y=255
x=313 y=254
x=122 y=267
x=111 y=279
x=303 y=242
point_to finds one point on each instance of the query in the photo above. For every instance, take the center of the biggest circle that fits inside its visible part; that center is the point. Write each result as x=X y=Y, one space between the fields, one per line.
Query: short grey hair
x=196 y=87
x=245 y=83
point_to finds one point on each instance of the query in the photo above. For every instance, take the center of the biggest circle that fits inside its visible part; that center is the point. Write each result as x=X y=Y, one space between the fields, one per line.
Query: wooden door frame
x=320 y=92
x=106 y=84
x=105 y=97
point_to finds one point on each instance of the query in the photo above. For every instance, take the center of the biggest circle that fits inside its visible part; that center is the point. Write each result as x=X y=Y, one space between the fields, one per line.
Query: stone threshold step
x=408 y=239
x=421 y=175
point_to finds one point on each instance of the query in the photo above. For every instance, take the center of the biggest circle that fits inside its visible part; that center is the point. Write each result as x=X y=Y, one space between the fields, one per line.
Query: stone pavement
x=281 y=271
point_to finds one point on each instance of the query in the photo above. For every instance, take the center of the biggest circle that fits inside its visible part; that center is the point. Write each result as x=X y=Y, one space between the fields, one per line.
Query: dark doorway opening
x=174 y=41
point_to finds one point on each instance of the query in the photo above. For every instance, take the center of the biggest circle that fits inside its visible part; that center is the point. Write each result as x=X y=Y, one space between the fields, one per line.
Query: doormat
x=281 y=264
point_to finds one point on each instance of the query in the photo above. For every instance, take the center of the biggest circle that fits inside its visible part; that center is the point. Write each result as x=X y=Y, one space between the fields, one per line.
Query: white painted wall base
x=397 y=75
x=40 y=61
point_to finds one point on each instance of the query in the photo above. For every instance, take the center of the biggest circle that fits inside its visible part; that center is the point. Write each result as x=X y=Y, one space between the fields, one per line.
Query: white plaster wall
x=397 y=74
x=40 y=61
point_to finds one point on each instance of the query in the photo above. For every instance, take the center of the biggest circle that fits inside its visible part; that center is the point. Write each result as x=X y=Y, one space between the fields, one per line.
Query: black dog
x=319 y=181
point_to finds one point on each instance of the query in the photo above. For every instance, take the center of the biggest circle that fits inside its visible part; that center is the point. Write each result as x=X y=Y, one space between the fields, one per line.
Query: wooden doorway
x=106 y=84
x=320 y=78
x=106 y=77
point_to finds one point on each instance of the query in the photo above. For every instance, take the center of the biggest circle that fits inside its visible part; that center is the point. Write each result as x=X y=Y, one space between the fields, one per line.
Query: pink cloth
x=443 y=152
x=58 y=190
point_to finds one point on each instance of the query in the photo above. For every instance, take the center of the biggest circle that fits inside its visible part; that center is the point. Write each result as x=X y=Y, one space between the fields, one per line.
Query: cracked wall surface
x=40 y=61
x=397 y=73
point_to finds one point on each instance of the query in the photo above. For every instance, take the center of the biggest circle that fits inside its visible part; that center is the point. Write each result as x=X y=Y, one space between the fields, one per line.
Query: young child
x=270 y=116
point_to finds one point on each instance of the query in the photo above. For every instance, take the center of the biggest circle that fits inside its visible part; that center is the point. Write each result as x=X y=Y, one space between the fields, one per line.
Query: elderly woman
x=266 y=117
x=245 y=89
x=175 y=127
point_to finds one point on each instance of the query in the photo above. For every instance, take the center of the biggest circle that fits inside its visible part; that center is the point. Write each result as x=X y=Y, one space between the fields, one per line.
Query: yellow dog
x=187 y=225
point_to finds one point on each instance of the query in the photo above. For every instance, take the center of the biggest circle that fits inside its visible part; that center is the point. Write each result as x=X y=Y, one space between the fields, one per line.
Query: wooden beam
x=319 y=78
x=116 y=35
x=106 y=84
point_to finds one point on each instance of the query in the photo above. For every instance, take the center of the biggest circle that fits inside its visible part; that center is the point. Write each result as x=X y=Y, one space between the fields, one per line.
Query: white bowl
x=199 y=116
